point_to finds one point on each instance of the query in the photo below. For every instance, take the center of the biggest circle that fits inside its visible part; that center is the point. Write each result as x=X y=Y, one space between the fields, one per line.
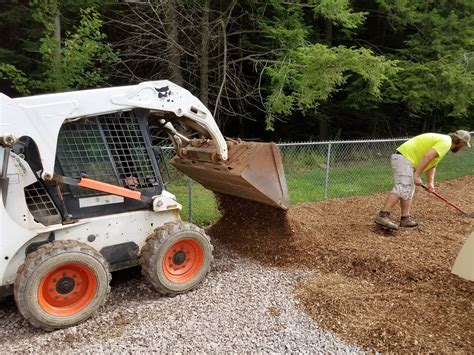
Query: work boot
x=383 y=219
x=408 y=222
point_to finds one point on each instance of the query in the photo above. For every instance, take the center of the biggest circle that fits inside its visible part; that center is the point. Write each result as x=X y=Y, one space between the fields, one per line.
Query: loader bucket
x=253 y=171
x=464 y=263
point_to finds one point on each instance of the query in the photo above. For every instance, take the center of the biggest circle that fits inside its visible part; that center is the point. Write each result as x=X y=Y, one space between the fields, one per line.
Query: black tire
x=61 y=284
x=187 y=251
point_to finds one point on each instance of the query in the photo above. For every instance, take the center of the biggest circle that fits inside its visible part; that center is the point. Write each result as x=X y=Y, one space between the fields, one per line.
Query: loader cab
x=115 y=148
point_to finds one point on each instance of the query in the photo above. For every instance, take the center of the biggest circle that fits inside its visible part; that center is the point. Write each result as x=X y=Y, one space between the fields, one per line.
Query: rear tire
x=61 y=284
x=176 y=258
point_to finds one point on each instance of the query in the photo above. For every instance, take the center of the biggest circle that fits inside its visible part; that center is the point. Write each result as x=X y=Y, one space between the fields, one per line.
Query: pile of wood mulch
x=383 y=291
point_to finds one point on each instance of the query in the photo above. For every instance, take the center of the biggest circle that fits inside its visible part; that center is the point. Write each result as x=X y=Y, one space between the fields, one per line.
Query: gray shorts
x=403 y=172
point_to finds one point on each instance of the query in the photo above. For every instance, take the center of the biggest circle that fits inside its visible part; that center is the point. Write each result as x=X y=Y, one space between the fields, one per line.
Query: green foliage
x=19 y=41
x=434 y=86
x=437 y=76
x=83 y=55
x=17 y=78
x=340 y=13
x=339 y=66
x=304 y=75
x=285 y=26
x=434 y=28
x=311 y=74
x=44 y=12
x=43 y=52
x=426 y=71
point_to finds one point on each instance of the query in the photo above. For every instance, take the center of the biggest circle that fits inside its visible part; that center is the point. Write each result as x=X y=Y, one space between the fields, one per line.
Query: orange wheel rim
x=67 y=289
x=183 y=261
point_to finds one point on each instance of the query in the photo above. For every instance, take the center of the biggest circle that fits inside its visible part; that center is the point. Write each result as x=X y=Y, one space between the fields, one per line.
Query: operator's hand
x=430 y=186
x=417 y=180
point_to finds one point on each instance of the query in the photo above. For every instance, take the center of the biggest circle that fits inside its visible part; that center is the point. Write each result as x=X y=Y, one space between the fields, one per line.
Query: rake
x=457 y=208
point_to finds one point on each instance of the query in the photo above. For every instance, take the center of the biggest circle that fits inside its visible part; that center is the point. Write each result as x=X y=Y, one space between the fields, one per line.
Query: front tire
x=176 y=258
x=61 y=284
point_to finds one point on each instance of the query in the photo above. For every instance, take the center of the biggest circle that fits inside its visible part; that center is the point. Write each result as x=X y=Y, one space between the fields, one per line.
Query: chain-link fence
x=321 y=170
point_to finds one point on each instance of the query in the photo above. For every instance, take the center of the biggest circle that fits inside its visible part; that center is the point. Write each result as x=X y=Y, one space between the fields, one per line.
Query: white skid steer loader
x=82 y=194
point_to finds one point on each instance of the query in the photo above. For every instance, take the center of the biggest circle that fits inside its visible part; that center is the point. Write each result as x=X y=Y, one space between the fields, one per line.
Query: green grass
x=204 y=207
x=455 y=165
x=348 y=180
x=307 y=185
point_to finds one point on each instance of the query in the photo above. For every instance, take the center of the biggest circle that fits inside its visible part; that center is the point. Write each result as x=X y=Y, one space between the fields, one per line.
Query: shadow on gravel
x=7 y=303
x=126 y=275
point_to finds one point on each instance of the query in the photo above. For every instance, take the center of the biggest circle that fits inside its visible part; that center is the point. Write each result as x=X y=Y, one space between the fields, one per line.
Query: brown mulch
x=385 y=291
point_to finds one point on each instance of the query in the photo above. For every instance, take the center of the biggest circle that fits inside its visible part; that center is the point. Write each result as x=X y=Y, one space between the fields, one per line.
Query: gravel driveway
x=241 y=306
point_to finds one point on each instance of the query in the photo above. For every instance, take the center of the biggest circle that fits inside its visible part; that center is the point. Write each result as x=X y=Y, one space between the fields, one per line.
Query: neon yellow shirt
x=415 y=148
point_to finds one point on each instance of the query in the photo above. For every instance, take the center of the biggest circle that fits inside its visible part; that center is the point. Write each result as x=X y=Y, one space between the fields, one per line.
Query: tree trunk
x=57 y=31
x=323 y=119
x=204 y=55
x=224 y=72
x=174 y=55
x=323 y=129
x=382 y=25
x=57 y=55
x=328 y=32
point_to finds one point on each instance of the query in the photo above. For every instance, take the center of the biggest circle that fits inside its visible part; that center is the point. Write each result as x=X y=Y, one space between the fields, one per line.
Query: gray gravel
x=241 y=307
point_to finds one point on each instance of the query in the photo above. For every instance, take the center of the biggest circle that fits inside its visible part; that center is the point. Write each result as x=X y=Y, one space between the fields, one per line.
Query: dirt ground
x=380 y=290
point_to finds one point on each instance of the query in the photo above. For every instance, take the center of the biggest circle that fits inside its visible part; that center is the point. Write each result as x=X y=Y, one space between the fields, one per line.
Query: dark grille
x=81 y=150
x=128 y=150
x=40 y=204
x=109 y=148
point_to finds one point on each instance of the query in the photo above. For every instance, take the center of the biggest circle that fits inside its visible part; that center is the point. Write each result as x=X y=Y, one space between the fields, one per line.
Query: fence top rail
x=385 y=140
x=344 y=142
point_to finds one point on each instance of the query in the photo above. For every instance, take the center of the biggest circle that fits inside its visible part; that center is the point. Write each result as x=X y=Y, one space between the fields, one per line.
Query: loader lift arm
x=42 y=116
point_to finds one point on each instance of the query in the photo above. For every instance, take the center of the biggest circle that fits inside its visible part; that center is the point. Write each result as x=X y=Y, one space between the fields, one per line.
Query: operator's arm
x=427 y=158
x=430 y=174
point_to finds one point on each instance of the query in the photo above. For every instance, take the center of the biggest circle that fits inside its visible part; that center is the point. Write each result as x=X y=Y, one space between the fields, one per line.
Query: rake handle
x=444 y=199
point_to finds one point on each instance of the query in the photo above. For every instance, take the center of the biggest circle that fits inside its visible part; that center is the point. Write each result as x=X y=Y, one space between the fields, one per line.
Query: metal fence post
x=190 y=200
x=326 y=182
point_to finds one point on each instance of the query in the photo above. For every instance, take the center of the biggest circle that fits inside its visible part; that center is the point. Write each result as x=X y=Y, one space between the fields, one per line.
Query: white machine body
x=41 y=118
